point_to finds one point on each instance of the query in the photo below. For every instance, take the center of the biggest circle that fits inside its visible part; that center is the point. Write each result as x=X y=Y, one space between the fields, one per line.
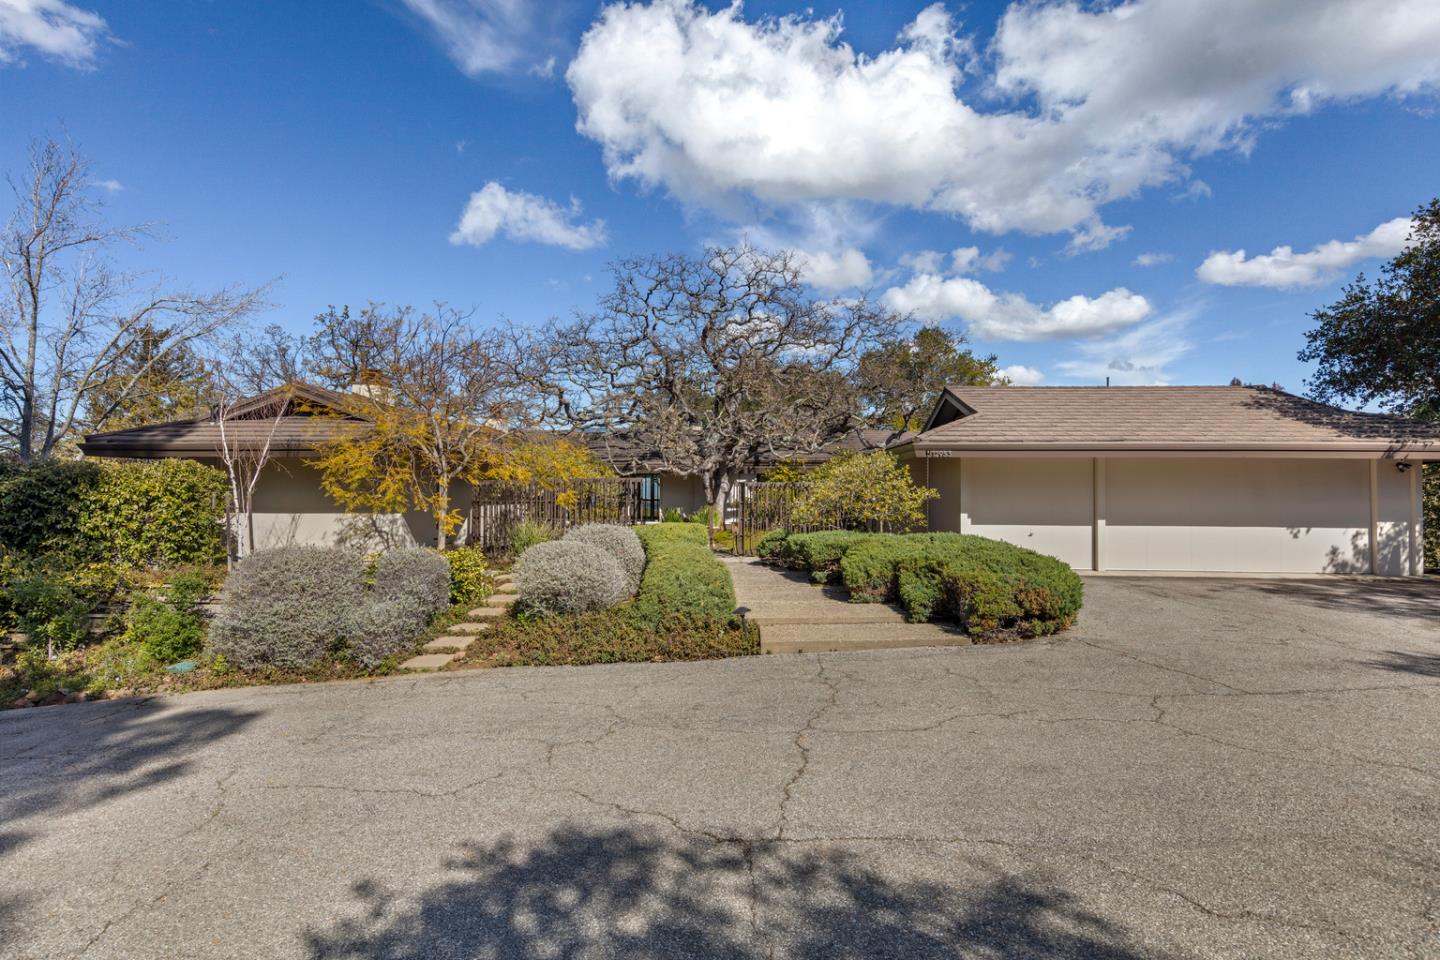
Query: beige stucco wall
x=684 y=491
x=1240 y=515
x=290 y=507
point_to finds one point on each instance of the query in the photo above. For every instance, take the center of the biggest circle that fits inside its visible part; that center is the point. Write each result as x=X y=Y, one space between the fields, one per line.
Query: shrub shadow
x=624 y=892
x=58 y=760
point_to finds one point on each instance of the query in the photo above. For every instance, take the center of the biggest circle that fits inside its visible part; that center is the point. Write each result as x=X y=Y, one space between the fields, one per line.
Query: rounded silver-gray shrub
x=569 y=576
x=287 y=607
x=381 y=627
x=620 y=542
x=417 y=575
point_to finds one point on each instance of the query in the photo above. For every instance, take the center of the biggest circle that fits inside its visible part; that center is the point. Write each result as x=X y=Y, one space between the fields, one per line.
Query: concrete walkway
x=796 y=616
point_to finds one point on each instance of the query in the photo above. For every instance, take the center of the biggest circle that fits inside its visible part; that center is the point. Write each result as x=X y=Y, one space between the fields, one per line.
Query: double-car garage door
x=1262 y=515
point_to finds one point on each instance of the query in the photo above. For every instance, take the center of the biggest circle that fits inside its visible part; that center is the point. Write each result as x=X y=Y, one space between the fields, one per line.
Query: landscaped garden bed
x=579 y=605
x=994 y=590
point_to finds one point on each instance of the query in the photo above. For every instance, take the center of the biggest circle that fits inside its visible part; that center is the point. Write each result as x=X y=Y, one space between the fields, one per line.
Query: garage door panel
x=1046 y=505
x=1263 y=516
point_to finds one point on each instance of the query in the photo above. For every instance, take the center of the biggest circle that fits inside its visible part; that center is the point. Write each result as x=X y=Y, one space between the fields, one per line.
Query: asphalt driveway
x=1204 y=768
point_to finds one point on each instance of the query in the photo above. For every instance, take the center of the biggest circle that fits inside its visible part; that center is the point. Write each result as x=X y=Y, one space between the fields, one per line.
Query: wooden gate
x=764 y=507
x=499 y=508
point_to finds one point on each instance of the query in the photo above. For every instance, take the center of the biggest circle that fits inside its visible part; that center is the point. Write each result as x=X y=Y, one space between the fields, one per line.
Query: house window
x=649 y=498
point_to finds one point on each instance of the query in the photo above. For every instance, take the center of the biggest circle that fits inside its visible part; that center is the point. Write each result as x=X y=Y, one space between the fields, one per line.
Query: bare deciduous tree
x=69 y=321
x=711 y=364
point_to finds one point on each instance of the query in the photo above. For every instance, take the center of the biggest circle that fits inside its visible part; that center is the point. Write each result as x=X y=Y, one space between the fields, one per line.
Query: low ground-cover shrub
x=985 y=585
x=52 y=613
x=608 y=636
x=569 y=576
x=818 y=552
x=619 y=542
x=683 y=578
x=383 y=626
x=470 y=581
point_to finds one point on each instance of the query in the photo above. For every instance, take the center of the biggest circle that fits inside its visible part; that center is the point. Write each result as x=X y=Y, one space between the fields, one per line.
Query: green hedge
x=985 y=585
x=682 y=531
x=682 y=577
x=139 y=515
x=608 y=636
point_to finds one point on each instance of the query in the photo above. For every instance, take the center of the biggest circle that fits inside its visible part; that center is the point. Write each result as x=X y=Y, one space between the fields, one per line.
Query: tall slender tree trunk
x=442 y=513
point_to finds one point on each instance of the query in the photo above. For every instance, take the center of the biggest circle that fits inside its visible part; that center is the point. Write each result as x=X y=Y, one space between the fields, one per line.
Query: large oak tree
x=713 y=363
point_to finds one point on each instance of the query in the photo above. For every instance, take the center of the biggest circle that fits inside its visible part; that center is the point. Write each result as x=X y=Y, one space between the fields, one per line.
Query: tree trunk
x=442 y=513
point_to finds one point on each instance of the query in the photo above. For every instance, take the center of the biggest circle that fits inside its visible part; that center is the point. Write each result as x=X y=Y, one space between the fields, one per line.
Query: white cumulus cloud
x=493 y=211
x=1081 y=104
x=1283 y=268
x=839 y=270
x=1012 y=316
x=1022 y=376
x=1152 y=259
x=53 y=28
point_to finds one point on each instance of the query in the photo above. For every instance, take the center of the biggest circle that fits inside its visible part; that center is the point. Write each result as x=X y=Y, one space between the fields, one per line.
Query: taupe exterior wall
x=684 y=491
x=1233 y=515
x=291 y=507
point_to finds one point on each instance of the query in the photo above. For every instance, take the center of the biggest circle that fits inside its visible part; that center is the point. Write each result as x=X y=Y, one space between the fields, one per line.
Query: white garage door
x=1240 y=515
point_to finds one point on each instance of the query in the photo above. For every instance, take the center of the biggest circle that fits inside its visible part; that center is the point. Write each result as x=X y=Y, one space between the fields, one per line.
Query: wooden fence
x=499 y=508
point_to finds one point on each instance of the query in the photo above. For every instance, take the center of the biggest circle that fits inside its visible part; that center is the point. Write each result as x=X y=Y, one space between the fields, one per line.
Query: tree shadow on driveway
x=624 y=892
x=1399 y=661
x=58 y=760
x=1412 y=599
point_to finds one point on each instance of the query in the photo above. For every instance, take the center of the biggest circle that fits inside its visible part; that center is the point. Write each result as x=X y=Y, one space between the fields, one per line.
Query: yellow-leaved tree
x=554 y=465
x=442 y=402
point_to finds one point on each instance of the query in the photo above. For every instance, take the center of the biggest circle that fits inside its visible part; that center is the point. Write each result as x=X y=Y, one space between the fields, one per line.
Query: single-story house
x=1235 y=479
x=299 y=419
x=1232 y=479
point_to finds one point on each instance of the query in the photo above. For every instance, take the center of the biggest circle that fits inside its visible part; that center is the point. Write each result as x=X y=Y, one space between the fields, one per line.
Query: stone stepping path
x=459 y=636
x=796 y=616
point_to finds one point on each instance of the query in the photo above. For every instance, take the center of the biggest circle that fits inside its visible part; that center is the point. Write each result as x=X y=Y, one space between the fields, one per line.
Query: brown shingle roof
x=315 y=416
x=1163 y=418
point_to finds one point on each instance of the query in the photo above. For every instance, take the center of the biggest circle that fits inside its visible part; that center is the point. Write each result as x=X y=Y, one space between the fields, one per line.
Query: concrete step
x=449 y=642
x=502 y=599
x=486 y=613
x=504 y=589
x=468 y=628
x=824 y=638
x=819 y=611
x=428 y=661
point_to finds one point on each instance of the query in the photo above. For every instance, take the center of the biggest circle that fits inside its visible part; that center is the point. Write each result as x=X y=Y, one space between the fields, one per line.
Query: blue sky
x=337 y=148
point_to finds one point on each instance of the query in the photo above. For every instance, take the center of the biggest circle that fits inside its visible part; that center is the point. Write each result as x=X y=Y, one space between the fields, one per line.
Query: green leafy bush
x=470 y=581
x=50 y=612
x=527 y=533
x=287 y=607
x=610 y=636
x=137 y=515
x=865 y=491
x=672 y=515
x=619 y=542
x=985 y=585
x=772 y=545
x=168 y=627
x=418 y=576
x=158 y=513
x=682 y=578
x=40 y=505
x=568 y=576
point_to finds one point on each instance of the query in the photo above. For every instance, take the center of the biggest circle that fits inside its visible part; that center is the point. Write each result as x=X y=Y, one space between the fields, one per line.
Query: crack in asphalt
x=802 y=744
